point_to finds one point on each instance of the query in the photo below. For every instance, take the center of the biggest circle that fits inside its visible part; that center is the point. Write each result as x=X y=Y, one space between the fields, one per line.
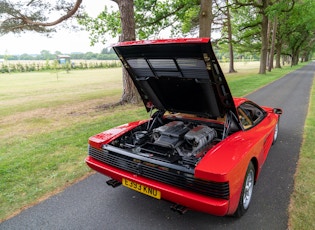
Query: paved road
x=91 y=204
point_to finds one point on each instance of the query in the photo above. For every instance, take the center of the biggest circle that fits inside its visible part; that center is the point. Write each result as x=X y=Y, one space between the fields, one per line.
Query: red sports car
x=200 y=149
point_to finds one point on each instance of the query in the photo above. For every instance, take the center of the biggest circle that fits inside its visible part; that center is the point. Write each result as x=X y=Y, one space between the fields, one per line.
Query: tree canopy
x=260 y=27
x=35 y=15
x=151 y=18
x=271 y=28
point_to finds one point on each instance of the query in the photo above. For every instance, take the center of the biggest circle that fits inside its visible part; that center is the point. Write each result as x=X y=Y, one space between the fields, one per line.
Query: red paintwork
x=176 y=195
x=164 y=41
x=225 y=162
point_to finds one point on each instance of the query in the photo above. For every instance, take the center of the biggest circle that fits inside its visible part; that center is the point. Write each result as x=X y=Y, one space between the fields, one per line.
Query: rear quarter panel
x=228 y=160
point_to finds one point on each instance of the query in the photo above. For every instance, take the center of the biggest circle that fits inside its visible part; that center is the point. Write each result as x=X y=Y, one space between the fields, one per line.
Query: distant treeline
x=106 y=54
x=12 y=66
x=46 y=61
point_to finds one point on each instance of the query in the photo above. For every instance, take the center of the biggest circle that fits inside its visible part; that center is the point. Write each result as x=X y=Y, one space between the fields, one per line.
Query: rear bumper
x=191 y=200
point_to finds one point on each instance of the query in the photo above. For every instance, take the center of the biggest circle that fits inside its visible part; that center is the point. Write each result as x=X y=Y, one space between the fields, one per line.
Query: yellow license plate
x=141 y=188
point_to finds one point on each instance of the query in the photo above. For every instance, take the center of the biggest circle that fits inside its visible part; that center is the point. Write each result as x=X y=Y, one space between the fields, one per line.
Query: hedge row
x=16 y=67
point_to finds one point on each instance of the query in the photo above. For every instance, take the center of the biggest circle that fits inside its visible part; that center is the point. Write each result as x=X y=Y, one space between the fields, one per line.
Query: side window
x=250 y=114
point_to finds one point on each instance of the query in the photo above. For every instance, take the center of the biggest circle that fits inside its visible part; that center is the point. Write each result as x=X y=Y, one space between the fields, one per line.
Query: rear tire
x=247 y=191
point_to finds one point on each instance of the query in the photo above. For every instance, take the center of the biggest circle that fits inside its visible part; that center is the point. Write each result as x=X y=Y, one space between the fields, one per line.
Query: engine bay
x=178 y=141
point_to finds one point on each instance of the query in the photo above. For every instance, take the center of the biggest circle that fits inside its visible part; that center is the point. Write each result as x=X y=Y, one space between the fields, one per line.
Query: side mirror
x=277 y=111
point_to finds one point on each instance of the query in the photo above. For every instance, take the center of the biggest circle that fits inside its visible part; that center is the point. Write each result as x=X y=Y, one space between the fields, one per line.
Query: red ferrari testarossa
x=201 y=149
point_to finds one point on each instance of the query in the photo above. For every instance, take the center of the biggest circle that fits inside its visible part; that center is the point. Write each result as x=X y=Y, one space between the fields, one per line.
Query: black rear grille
x=159 y=172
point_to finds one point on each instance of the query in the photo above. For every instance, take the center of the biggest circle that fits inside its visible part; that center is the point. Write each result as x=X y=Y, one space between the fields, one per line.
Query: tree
x=298 y=28
x=262 y=9
x=130 y=93
x=223 y=8
x=259 y=7
x=273 y=43
x=279 y=9
x=229 y=30
x=45 y=55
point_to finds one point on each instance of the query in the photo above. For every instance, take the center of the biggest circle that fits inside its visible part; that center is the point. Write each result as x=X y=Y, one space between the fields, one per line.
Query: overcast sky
x=65 y=42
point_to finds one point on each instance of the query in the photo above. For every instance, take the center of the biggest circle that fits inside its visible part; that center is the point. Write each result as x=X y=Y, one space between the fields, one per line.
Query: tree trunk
x=268 y=38
x=278 y=55
x=273 y=42
x=295 y=57
x=130 y=93
x=264 y=39
x=229 y=27
x=205 y=18
x=306 y=56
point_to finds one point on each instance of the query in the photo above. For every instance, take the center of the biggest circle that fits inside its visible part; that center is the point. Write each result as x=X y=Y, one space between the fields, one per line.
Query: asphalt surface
x=91 y=204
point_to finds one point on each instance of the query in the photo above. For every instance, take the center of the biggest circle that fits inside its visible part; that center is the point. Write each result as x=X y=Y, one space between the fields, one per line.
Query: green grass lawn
x=46 y=120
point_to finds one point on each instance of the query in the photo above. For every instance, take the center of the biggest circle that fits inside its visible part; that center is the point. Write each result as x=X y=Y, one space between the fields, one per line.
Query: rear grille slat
x=169 y=176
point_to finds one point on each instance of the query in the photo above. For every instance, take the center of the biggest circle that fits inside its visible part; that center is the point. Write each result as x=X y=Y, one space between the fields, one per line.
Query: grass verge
x=45 y=122
x=302 y=205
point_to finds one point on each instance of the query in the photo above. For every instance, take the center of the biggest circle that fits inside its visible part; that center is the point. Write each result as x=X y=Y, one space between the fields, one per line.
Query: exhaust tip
x=179 y=208
x=113 y=183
